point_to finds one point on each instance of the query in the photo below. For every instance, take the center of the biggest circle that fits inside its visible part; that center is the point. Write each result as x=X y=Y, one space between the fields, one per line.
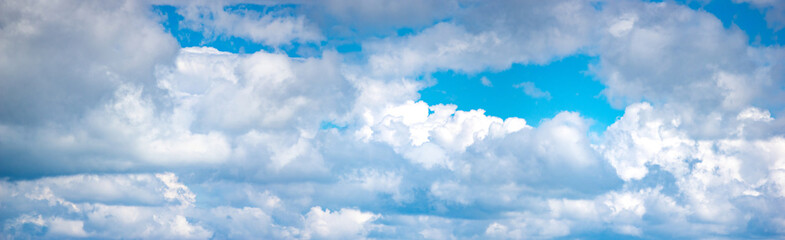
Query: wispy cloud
x=532 y=91
x=486 y=82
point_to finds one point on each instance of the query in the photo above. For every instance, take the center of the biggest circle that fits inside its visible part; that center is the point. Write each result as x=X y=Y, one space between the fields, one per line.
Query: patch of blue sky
x=747 y=18
x=329 y=125
x=349 y=48
x=405 y=31
x=563 y=85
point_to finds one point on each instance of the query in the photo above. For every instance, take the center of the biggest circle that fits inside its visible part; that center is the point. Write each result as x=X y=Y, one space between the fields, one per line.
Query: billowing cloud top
x=306 y=120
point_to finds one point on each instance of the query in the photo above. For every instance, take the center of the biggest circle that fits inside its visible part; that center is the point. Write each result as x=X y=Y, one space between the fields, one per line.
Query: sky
x=409 y=119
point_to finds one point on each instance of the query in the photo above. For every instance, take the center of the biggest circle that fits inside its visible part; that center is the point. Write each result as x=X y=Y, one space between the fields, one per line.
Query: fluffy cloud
x=726 y=173
x=154 y=206
x=73 y=69
x=731 y=73
x=342 y=224
x=478 y=41
x=211 y=98
x=131 y=206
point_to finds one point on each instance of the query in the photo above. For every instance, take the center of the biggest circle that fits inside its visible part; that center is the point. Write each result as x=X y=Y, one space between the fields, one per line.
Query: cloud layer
x=110 y=129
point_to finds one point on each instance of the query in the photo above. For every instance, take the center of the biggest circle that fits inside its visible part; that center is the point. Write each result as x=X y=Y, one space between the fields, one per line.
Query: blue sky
x=343 y=119
x=566 y=85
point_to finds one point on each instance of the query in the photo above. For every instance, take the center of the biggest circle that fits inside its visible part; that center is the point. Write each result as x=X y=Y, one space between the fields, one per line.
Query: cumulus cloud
x=707 y=172
x=210 y=99
x=55 y=63
x=731 y=73
x=131 y=206
x=479 y=41
x=341 y=224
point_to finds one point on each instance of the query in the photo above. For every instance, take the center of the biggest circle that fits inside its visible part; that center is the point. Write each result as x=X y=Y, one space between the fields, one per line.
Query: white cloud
x=132 y=116
x=526 y=226
x=646 y=61
x=486 y=82
x=59 y=59
x=429 y=155
x=238 y=92
x=477 y=41
x=98 y=212
x=712 y=175
x=411 y=125
x=640 y=138
x=451 y=191
x=66 y=228
x=372 y=180
x=532 y=91
x=563 y=140
x=755 y=114
x=246 y=222
x=55 y=227
x=622 y=26
x=341 y=224
x=203 y=111
x=175 y=190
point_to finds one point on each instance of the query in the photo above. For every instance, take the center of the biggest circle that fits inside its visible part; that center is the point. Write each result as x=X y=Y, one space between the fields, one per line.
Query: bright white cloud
x=755 y=114
x=341 y=224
